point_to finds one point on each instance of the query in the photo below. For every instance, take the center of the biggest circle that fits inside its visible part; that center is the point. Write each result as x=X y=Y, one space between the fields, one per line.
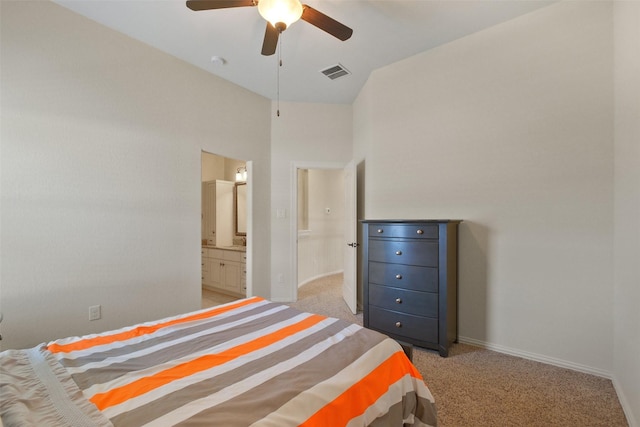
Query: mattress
x=251 y=362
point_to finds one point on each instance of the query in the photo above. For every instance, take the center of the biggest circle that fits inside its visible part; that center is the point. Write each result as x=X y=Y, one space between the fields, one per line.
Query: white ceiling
x=384 y=31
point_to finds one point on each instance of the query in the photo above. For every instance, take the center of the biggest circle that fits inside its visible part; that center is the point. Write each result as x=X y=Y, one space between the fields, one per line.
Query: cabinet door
x=232 y=275
x=209 y=211
x=203 y=217
x=216 y=272
x=223 y=207
x=243 y=277
x=206 y=271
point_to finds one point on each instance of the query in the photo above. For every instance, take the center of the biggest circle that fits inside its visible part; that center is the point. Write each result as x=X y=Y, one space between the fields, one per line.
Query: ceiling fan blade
x=325 y=23
x=218 y=4
x=270 y=40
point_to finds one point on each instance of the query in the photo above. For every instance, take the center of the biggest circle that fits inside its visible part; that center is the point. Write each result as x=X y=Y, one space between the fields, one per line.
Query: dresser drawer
x=411 y=302
x=404 y=276
x=407 y=231
x=407 y=325
x=404 y=252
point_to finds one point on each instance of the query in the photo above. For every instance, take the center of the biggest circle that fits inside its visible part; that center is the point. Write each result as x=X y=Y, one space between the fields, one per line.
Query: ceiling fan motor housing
x=280 y=13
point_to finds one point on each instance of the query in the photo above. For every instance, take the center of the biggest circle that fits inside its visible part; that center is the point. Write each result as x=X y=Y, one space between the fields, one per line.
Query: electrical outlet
x=95 y=312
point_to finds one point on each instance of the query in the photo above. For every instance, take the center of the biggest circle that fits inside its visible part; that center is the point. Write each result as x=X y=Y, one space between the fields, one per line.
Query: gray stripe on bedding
x=271 y=395
x=152 y=340
x=255 y=399
x=104 y=374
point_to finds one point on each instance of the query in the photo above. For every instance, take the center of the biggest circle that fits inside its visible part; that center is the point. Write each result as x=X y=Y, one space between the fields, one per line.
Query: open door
x=350 y=285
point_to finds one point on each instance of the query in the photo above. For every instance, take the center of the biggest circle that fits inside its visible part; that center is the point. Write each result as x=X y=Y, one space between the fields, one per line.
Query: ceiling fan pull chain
x=278 y=77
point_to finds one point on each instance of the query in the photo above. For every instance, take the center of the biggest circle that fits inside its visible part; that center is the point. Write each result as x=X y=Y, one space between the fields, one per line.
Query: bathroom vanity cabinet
x=224 y=270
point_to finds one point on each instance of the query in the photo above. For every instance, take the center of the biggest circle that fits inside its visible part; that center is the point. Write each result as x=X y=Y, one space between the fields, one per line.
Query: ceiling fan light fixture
x=279 y=12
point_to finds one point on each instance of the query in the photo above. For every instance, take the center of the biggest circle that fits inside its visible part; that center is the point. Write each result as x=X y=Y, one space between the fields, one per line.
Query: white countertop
x=236 y=248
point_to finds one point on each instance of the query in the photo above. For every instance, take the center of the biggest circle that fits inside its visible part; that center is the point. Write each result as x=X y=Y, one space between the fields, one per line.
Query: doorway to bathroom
x=225 y=229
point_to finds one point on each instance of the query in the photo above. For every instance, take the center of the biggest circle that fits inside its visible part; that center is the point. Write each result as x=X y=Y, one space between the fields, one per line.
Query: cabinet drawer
x=404 y=252
x=215 y=253
x=232 y=256
x=406 y=301
x=407 y=325
x=408 y=231
x=404 y=276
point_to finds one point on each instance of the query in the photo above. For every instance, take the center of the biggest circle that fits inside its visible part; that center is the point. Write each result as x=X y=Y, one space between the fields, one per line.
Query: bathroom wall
x=219 y=167
x=216 y=167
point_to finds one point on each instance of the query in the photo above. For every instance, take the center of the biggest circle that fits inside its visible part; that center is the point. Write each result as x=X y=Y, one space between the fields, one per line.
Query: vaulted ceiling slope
x=384 y=31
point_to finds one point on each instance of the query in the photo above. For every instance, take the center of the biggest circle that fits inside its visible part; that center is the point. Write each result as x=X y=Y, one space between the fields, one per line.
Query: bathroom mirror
x=240 y=197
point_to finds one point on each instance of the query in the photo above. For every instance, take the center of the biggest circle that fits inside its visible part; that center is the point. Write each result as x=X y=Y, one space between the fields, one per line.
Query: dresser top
x=409 y=221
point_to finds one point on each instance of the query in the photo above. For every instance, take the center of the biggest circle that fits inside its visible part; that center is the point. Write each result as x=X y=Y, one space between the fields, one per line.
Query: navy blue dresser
x=410 y=277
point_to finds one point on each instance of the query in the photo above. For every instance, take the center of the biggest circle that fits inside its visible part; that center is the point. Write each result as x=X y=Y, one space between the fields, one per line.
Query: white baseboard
x=624 y=402
x=537 y=357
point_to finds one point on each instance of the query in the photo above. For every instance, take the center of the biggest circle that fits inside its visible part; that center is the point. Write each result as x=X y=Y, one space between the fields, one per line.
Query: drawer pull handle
x=399 y=300
x=398 y=276
x=398 y=324
x=419 y=231
x=398 y=252
x=380 y=230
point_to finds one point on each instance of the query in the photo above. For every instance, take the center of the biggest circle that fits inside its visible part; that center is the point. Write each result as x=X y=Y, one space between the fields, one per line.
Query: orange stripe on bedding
x=357 y=398
x=144 y=330
x=144 y=385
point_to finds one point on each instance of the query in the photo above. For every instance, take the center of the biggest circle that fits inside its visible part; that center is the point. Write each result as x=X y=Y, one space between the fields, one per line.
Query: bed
x=251 y=362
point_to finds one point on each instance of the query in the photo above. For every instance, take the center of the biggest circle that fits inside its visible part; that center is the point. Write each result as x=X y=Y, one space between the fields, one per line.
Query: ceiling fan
x=279 y=15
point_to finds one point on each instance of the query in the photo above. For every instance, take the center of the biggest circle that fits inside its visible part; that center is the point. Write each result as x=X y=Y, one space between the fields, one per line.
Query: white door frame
x=293 y=218
x=249 y=236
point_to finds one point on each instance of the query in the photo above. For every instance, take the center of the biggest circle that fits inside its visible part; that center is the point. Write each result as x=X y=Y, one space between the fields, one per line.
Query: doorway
x=225 y=229
x=322 y=221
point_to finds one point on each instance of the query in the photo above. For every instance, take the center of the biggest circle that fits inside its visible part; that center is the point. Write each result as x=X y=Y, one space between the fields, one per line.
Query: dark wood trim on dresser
x=410 y=281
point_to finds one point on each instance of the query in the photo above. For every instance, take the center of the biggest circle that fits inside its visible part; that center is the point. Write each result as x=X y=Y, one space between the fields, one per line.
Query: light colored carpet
x=478 y=387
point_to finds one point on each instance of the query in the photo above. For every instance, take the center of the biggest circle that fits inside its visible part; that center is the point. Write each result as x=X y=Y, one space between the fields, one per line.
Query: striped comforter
x=247 y=363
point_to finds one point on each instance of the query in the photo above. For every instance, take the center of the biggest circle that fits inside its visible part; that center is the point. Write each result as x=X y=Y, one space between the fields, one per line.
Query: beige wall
x=509 y=129
x=312 y=133
x=627 y=208
x=101 y=148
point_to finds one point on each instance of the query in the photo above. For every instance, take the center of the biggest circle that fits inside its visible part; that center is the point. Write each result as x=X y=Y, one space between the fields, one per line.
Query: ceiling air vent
x=335 y=71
